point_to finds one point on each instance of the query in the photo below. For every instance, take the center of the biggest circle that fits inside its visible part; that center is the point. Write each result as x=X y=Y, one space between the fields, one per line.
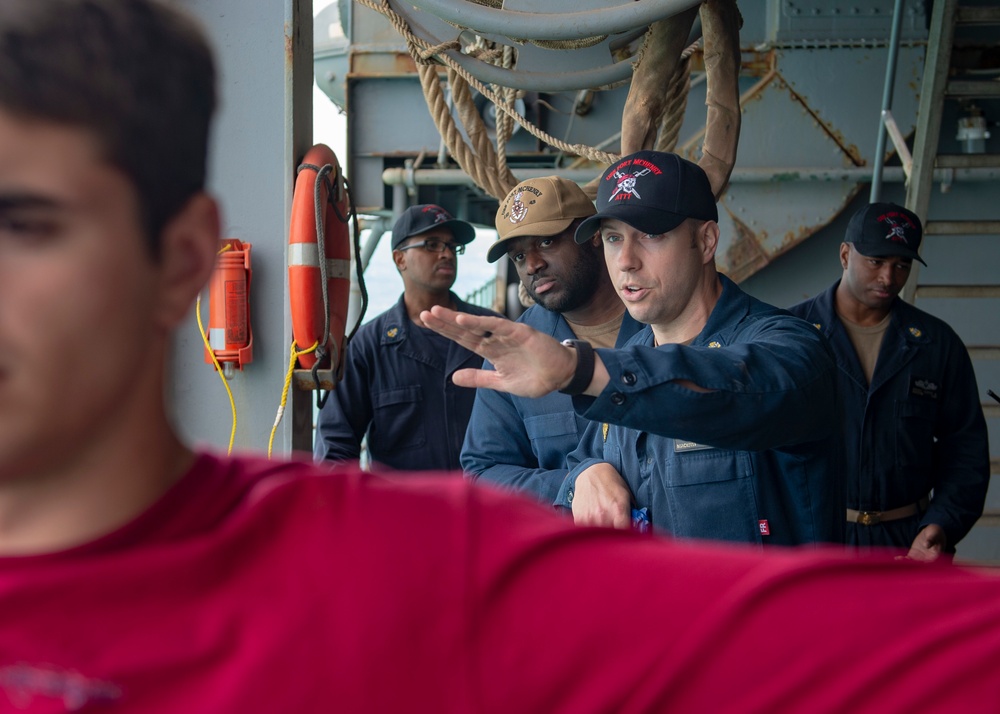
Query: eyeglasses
x=436 y=246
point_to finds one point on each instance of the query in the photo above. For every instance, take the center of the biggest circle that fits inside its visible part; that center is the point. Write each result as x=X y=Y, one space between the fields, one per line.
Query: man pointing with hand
x=719 y=417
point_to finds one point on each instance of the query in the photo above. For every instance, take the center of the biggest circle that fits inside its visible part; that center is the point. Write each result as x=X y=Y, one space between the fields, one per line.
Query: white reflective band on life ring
x=307 y=255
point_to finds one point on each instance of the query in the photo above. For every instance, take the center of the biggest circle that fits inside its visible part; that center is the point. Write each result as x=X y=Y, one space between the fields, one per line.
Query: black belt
x=870 y=518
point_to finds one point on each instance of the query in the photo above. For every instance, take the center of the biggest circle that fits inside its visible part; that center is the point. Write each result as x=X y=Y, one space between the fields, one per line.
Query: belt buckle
x=869 y=518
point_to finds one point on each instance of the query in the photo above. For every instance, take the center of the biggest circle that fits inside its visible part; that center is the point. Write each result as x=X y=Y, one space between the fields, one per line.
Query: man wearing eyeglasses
x=397 y=389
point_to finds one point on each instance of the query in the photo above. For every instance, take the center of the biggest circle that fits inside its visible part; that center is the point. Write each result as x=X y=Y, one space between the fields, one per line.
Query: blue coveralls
x=754 y=460
x=521 y=443
x=919 y=425
x=397 y=389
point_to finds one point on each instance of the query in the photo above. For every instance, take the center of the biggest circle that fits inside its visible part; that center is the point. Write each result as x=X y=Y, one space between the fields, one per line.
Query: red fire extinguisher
x=229 y=333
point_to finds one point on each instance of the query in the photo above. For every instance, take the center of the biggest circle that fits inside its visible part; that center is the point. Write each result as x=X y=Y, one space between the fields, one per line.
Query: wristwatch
x=584 y=367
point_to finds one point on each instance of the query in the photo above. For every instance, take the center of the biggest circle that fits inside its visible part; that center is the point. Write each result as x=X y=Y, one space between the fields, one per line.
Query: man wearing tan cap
x=522 y=443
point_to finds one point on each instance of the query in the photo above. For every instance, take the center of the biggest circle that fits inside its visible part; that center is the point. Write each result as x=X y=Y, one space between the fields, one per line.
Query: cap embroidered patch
x=764 y=528
x=627 y=180
x=437 y=213
x=518 y=210
x=897 y=232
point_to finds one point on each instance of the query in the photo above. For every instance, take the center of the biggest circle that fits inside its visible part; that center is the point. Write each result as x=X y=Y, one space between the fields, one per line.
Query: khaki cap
x=539 y=207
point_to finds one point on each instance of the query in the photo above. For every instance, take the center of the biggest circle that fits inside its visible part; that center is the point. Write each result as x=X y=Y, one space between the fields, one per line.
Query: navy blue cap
x=882 y=229
x=652 y=191
x=422 y=218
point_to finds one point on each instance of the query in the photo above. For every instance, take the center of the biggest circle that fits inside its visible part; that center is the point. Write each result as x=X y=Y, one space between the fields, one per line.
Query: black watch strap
x=584 y=374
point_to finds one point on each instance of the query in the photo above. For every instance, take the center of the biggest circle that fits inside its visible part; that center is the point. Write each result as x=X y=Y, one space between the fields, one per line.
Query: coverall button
x=569 y=496
x=629 y=378
x=618 y=398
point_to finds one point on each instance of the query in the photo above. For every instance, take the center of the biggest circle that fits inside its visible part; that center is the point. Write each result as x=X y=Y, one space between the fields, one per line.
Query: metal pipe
x=619 y=17
x=890 y=81
x=378 y=228
x=400 y=202
x=456 y=177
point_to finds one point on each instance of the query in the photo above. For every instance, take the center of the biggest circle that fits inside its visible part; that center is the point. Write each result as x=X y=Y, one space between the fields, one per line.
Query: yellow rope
x=211 y=352
x=293 y=357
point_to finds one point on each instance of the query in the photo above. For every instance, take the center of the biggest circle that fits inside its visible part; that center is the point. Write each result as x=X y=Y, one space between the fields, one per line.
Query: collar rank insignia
x=915 y=332
x=714 y=345
x=392 y=332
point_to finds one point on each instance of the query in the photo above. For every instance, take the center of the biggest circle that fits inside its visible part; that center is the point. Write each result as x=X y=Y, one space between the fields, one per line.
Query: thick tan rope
x=485 y=179
x=420 y=50
x=504 y=124
x=721 y=21
x=659 y=116
x=472 y=119
x=461 y=97
x=651 y=80
x=488 y=170
x=677 y=96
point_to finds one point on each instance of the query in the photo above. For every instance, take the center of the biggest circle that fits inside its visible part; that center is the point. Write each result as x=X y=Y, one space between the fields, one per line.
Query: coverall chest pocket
x=552 y=437
x=914 y=425
x=397 y=419
x=710 y=494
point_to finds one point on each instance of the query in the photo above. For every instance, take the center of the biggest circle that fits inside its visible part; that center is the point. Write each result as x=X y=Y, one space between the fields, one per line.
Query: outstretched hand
x=526 y=362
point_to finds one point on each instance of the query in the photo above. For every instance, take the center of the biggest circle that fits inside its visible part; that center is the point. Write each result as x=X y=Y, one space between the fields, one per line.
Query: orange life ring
x=320 y=199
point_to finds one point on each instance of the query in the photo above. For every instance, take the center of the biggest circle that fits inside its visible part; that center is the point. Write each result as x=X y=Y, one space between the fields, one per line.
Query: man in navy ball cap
x=916 y=447
x=396 y=389
x=718 y=418
x=429 y=218
x=675 y=189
